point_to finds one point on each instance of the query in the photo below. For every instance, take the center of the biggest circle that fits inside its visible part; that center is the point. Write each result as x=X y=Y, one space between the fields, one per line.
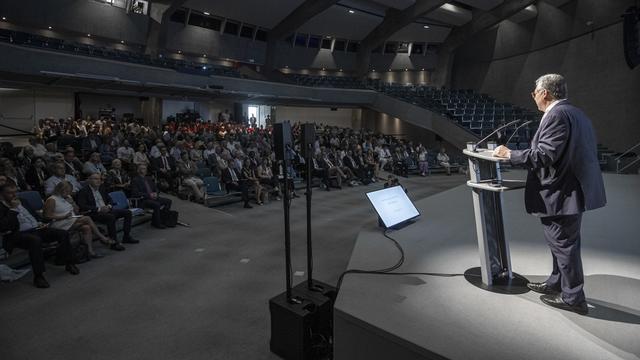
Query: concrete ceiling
x=340 y=22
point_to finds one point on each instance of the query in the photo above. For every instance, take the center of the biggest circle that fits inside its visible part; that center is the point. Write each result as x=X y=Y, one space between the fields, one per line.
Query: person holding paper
x=563 y=181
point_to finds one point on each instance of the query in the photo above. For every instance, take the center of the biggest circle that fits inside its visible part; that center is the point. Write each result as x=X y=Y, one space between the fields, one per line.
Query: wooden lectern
x=495 y=273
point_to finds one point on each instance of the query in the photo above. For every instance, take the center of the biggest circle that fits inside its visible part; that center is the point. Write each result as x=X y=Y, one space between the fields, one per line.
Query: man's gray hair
x=554 y=84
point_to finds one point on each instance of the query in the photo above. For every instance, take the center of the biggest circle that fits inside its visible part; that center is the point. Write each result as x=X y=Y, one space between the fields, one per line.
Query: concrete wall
x=22 y=108
x=342 y=117
x=82 y=16
x=91 y=104
x=505 y=61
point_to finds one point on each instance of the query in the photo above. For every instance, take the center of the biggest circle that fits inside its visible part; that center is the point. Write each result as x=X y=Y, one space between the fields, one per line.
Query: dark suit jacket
x=226 y=176
x=9 y=223
x=86 y=201
x=31 y=177
x=138 y=188
x=156 y=163
x=564 y=173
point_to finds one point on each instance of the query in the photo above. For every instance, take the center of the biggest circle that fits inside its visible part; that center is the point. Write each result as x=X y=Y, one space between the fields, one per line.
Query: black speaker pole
x=308 y=194
x=287 y=229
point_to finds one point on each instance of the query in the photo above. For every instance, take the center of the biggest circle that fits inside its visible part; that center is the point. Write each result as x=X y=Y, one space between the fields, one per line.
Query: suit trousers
x=156 y=205
x=109 y=218
x=32 y=241
x=562 y=234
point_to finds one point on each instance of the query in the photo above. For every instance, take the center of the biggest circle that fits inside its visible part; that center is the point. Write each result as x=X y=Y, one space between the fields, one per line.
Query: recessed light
x=88 y=35
x=340 y=70
x=204 y=68
x=286 y=66
x=389 y=69
x=406 y=69
x=425 y=26
x=4 y=18
x=351 y=11
x=374 y=70
x=204 y=55
x=422 y=69
x=179 y=51
x=206 y=13
x=121 y=41
x=50 y=28
x=323 y=69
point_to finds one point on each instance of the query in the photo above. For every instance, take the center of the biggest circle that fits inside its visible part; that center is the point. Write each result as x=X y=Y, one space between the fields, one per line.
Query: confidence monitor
x=393 y=206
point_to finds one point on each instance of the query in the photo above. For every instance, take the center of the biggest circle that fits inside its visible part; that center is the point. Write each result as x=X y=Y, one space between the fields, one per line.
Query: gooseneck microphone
x=475 y=147
x=515 y=131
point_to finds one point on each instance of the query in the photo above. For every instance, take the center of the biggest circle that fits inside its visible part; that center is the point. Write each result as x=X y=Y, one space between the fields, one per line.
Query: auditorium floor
x=188 y=293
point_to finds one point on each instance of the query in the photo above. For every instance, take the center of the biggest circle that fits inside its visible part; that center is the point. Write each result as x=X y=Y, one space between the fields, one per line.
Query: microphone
x=518 y=128
x=493 y=132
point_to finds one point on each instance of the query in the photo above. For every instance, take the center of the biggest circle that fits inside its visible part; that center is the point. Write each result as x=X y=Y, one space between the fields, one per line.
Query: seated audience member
x=58 y=175
x=64 y=214
x=39 y=150
x=165 y=168
x=372 y=163
x=155 y=149
x=22 y=229
x=36 y=175
x=319 y=171
x=265 y=174
x=443 y=160
x=107 y=150
x=72 y=165
x=94 y=165
x=195 y=154
x=357 y=167
x=12 y=174
x=140 y=157
x=145 y=188
x=117 y=179
x=232 y=182
x=400 y=163
x=333 y=170
x=349 y=175
x=95 y=202
x=384 y=156
x=252 y=181
x=125 y=153
x=187 y=170
x=25 y=158
x=423 y=161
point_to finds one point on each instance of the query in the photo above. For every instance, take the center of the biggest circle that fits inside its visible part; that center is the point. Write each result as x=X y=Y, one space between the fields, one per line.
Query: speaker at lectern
x=487 y=187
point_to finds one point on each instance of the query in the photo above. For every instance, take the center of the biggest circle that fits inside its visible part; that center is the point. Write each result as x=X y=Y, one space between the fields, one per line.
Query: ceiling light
x=341 y=70
x=286 y=66
x=88 y=35
x=204 y=55
x=206 y=13
x=406 y=69
x=50 y=28
x=204 y=68
x=425 y=26
x=351 y=11
x=179 y=51
x=374 y=70
x=121 y=41
x=323 y=69
x=4 y=18
x=389 y=69
x=422 y=69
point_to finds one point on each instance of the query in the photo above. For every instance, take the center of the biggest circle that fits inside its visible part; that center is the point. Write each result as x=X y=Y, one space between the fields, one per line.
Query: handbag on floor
x=169 y=218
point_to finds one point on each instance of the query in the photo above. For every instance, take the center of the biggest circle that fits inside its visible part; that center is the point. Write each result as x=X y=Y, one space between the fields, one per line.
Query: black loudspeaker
x=632 y=36
x=302 y=331
x=282 y=140
x=308 y=137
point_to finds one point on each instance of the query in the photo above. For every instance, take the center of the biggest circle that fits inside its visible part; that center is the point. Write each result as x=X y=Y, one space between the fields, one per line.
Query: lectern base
x=515 y=285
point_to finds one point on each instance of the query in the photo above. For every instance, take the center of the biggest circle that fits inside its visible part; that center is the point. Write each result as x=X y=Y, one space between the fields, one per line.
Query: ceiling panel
x=398 y=4
x=482 y=4
x=451 y=14
x=255 y=12
x=417 y=33
x=338 y=22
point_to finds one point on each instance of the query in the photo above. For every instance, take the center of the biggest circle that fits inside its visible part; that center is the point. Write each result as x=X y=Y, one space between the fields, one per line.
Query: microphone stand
x=308 y=196
x=287 y=229
x=515 y=131
x=475 y=147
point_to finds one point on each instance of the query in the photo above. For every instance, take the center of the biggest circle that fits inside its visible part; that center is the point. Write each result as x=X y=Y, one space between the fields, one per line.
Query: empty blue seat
x=32 y=199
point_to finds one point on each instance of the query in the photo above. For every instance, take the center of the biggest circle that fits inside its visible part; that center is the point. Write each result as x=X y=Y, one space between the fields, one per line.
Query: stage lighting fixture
x=179 y=51
x=4 y=18
x=88 y=35
x=425 y=26
x=204 y=68
x=351 y=11
x=206 y=13
x=50 y=28
x=121 y=41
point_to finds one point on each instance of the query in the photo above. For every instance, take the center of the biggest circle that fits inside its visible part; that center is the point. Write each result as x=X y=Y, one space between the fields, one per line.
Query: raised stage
x=424 y=317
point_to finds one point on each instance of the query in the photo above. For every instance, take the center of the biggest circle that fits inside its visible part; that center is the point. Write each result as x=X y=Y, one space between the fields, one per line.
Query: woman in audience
x=117 y=179
x=187 y=170
x=423 y=161
x=265 y=174
x=251 y=180
x=64 y=214
x=140 y=157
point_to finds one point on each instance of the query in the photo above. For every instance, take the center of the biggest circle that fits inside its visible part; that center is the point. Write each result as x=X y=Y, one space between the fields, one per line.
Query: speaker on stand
x=631 y=37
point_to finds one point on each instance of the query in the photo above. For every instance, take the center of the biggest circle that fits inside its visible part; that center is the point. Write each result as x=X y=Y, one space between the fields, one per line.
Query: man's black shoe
x=159 y=226
x=130 y=240
x=247 y=206
x=117 y=247
x=557 y=302
x=72 y=269
x=40 y=282
x=542 y=288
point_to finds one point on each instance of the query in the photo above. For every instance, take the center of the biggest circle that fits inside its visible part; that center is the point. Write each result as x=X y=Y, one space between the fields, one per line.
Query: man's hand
x=106 y=208
x=153 y=195
x=15 y=203
x=502 y=151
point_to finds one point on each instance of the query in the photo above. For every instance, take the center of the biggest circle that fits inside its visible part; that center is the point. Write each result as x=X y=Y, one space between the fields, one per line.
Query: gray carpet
x=187 y=293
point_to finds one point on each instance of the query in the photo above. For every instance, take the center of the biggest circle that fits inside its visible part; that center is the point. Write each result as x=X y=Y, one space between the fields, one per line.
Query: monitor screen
x=393 y=205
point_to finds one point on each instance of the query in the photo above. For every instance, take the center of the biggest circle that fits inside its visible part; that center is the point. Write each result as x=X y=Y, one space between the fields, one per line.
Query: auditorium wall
x=21 y=108
x=342 y=117
x=574 y=40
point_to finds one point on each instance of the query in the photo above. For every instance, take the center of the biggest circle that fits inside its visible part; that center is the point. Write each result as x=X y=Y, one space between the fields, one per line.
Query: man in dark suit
x=165 y=168
x=95 y=202
x=232 y=181
x=564 y=180
x=144 y=187
x=21 y=227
